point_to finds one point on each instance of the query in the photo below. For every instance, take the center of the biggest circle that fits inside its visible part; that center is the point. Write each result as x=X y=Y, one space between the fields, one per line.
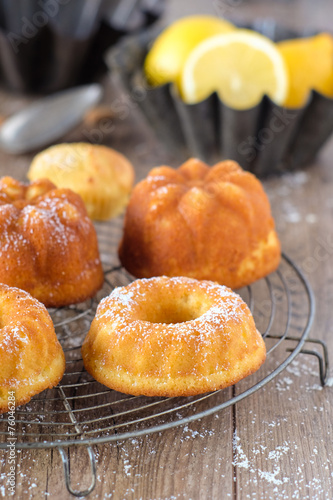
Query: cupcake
x=100 y=175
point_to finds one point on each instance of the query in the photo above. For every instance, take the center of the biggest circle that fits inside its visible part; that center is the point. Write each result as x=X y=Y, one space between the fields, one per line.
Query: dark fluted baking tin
x=266 y=139
x=48 y=45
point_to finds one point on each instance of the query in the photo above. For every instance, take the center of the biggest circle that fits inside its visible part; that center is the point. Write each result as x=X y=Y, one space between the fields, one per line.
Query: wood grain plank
x=283 y=443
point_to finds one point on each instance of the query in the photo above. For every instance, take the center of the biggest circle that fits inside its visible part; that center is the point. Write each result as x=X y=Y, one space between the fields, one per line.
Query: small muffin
x=100 y=175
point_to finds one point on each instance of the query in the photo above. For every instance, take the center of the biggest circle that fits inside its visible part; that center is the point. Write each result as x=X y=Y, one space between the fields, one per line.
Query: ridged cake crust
x=102 y=176
x=31 y=358
x=172 y=337
x=48 y=244
x=210 y=223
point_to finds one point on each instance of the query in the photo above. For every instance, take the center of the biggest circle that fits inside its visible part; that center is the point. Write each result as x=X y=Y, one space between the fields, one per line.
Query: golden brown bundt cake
x=172 y=337
x=31 y=358
x=48 y=245
x=211 y=223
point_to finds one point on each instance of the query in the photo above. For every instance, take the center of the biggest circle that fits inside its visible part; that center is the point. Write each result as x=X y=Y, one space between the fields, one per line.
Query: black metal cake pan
x=266 y=139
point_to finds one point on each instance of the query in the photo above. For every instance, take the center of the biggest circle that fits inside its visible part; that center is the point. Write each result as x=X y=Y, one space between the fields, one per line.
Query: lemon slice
x=310 y=66
x=241 y=66
x=169 y=51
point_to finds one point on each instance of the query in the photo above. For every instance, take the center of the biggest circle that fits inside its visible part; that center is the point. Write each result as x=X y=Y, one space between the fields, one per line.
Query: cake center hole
x=175 y=312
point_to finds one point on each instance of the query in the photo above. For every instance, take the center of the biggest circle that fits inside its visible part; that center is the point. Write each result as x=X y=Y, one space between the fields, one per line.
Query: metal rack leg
x=65 y=464
x=322 y=360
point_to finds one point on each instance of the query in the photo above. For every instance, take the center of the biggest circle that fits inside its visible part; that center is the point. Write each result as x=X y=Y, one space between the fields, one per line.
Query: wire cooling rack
x=82 y=412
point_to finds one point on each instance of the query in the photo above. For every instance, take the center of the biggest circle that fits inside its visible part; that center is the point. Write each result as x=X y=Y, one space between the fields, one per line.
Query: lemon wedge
x=169 y=51
x=310 y=66
x=241 y=66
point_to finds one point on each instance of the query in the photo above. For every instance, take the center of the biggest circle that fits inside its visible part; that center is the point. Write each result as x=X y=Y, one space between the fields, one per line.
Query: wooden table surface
x=275 y=444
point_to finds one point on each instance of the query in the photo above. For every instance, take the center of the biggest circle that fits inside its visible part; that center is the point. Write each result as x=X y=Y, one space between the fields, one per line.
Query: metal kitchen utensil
x=47 y=119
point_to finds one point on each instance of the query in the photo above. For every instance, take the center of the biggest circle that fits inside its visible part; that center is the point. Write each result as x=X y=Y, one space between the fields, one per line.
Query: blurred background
x=247 y=10
x=47 y=46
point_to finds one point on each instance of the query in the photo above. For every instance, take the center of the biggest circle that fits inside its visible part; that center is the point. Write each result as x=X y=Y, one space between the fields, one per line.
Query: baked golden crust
x=210 y=223
x=102 y=176
x=172 y=337
x=48 y=245
x=31 y=358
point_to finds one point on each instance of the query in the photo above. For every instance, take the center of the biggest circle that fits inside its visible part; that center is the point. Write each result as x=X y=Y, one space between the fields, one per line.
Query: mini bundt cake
x=31 y=358
x=211 y=223
x=102 y=176
x=172 y=337
x=48 y=244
